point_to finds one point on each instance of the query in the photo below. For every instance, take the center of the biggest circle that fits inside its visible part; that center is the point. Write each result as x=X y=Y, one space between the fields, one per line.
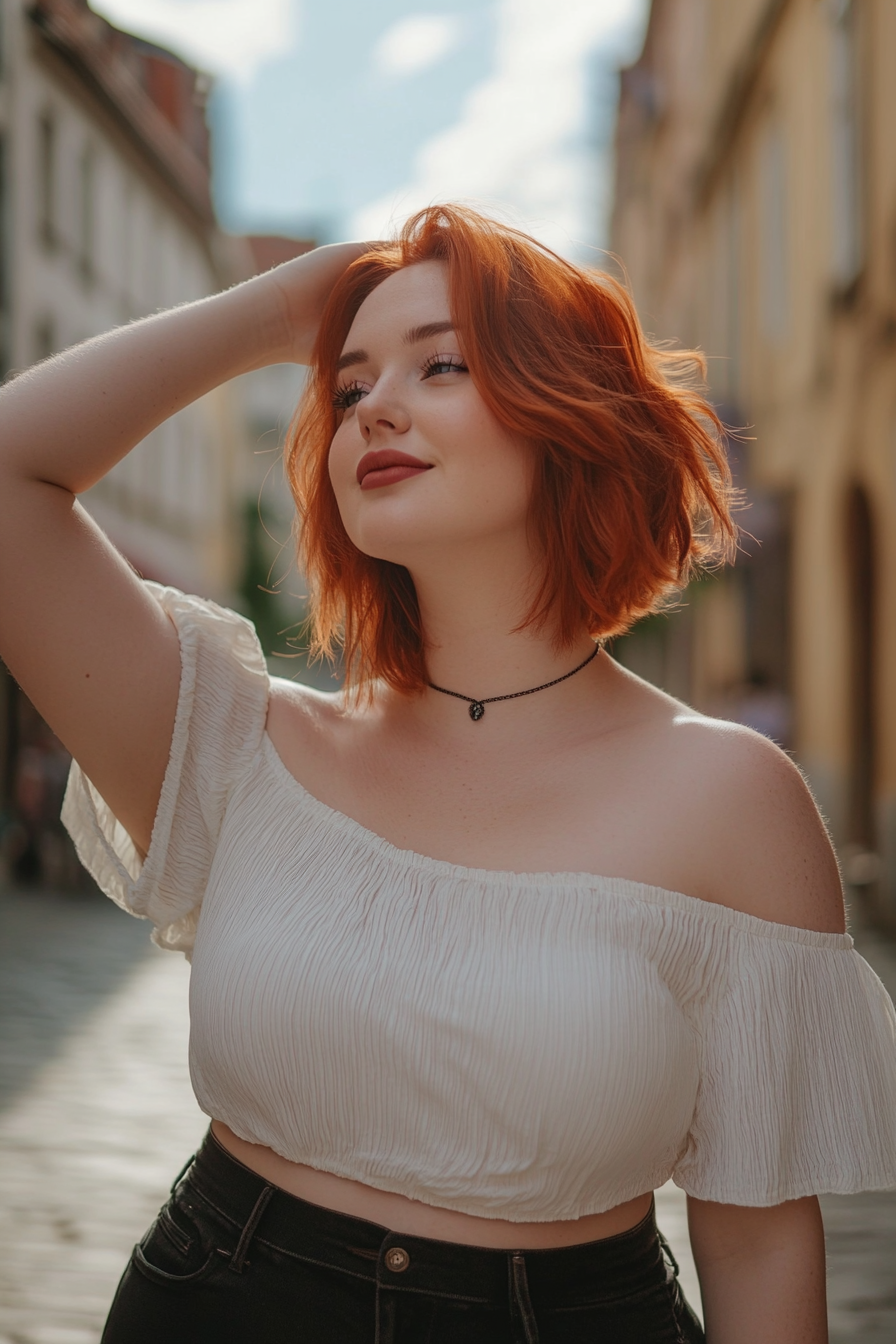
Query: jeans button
x=397 y=1259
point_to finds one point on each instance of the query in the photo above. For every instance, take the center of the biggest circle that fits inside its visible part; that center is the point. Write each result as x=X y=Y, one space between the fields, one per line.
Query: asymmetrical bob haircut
x=631 y=486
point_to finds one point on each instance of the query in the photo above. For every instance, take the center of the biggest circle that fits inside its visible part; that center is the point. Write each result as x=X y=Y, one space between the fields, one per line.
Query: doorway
x=862 y=596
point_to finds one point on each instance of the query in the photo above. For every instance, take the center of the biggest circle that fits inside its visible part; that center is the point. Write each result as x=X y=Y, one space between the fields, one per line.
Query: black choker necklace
x=477 y=707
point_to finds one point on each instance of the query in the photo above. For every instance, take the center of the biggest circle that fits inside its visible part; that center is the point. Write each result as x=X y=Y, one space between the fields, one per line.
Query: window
x=46 y=179
x=725 y=293
x=44 y=338
x=774 y=206
x=4 y=236
x=126 y=264
x=87 y=213
x=847 y=224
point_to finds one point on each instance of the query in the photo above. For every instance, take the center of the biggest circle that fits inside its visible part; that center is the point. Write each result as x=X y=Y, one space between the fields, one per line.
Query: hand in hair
x=78 y=630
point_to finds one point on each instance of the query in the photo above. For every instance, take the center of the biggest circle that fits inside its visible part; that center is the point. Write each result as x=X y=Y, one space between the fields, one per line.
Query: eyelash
x=342 y=395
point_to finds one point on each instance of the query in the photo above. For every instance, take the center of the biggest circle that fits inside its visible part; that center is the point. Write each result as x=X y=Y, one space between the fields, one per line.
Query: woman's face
x=418 y=462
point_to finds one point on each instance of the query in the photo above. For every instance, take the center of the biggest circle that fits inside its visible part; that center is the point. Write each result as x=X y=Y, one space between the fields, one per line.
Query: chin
x=403 y=533
x=394 y=533
x=397 y=552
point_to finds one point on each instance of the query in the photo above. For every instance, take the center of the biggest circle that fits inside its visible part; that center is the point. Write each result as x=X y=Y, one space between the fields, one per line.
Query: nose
x=382 y=410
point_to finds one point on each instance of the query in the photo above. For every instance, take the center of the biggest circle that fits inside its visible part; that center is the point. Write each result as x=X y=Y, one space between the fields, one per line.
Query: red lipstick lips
x=386 y=466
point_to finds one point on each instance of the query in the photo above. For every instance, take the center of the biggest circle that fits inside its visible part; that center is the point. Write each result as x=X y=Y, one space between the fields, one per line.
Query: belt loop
x=520 y=1305
x=667 y=1252
x=182 y=1173
x=238 y=1259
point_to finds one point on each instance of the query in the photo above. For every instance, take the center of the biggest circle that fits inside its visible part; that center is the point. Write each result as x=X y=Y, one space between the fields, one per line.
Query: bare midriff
x=400 y=1214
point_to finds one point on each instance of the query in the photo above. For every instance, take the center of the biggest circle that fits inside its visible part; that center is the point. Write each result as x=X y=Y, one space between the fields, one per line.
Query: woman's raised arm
x=78 y=631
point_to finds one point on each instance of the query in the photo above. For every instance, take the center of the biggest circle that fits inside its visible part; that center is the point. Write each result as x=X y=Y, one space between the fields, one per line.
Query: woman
x=446 y=1064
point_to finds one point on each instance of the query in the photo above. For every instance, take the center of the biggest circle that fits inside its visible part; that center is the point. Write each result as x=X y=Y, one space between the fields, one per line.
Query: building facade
x=274 y=592
x=111 y=219
x=107 y=216
x=755 y=215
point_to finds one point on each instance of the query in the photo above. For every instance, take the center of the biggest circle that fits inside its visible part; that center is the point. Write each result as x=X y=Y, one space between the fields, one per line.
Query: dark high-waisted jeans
x=233 y=1260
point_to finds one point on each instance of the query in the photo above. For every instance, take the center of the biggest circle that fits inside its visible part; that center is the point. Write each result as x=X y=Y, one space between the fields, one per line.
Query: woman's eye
x=347 y=396
x=444 y=364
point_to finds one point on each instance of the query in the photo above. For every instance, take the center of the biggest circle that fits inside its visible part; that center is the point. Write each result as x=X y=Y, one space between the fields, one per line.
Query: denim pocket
x=633 y=1319
x=176 y=1250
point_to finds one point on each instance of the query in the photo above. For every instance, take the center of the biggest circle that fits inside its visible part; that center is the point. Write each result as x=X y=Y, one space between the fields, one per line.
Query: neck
x=471 y=612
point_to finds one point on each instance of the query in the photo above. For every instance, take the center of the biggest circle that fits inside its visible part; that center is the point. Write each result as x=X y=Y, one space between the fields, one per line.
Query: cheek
x=341 y=464
x=500 y=470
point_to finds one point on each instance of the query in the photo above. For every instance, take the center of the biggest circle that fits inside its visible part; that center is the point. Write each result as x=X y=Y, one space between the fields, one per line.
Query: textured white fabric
x=525 y=1046
x=221 y=711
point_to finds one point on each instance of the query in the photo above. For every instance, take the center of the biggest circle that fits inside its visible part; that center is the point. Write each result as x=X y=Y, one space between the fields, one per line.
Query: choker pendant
x=476 y=708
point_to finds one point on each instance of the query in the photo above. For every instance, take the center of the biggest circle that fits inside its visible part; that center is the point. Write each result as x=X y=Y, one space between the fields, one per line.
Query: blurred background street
x=733 y=161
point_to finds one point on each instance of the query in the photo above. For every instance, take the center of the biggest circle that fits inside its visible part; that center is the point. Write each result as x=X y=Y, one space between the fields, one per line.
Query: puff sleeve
x=797 y=1091
x=221 y=711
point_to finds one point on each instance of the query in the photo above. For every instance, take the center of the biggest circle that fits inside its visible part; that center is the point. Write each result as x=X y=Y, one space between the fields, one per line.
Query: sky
x=337 y=118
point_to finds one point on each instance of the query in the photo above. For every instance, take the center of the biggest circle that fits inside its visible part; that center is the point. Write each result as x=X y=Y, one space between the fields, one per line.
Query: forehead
x=413 y=296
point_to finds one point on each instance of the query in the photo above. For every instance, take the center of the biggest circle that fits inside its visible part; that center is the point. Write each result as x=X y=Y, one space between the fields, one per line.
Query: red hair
x=631 y=485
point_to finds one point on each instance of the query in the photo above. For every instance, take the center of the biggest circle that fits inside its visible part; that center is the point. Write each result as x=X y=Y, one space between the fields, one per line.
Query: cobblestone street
x=97 y=1116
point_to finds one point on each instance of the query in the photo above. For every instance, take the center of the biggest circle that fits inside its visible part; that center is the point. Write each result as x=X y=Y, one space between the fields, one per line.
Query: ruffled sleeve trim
x=218 y=726
x=797 y=1090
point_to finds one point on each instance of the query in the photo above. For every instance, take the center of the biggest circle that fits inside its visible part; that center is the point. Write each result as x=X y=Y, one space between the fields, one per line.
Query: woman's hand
x=67 y=421
x=300 y=290
x=762 y=1272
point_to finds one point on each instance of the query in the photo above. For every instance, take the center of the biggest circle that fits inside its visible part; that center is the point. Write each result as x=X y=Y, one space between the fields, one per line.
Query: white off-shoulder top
x=525 y=1046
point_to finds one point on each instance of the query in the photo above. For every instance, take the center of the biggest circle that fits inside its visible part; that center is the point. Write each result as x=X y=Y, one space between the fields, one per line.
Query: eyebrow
x=411 y=337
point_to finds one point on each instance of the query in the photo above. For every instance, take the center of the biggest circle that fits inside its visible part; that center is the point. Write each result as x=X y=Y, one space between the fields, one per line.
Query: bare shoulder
x=766 y=848
x=304 y=726
x=302 y=722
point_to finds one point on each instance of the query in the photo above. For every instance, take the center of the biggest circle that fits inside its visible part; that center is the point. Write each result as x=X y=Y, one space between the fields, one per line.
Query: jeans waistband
x=611 y=1268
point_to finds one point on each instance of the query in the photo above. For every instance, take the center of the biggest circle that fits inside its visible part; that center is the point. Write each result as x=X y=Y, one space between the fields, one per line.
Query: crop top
x=524 y=1046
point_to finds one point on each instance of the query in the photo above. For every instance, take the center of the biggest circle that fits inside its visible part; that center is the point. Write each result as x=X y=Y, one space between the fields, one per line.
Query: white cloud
x=521 y=142
x=226 y=37
x=415 y=43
